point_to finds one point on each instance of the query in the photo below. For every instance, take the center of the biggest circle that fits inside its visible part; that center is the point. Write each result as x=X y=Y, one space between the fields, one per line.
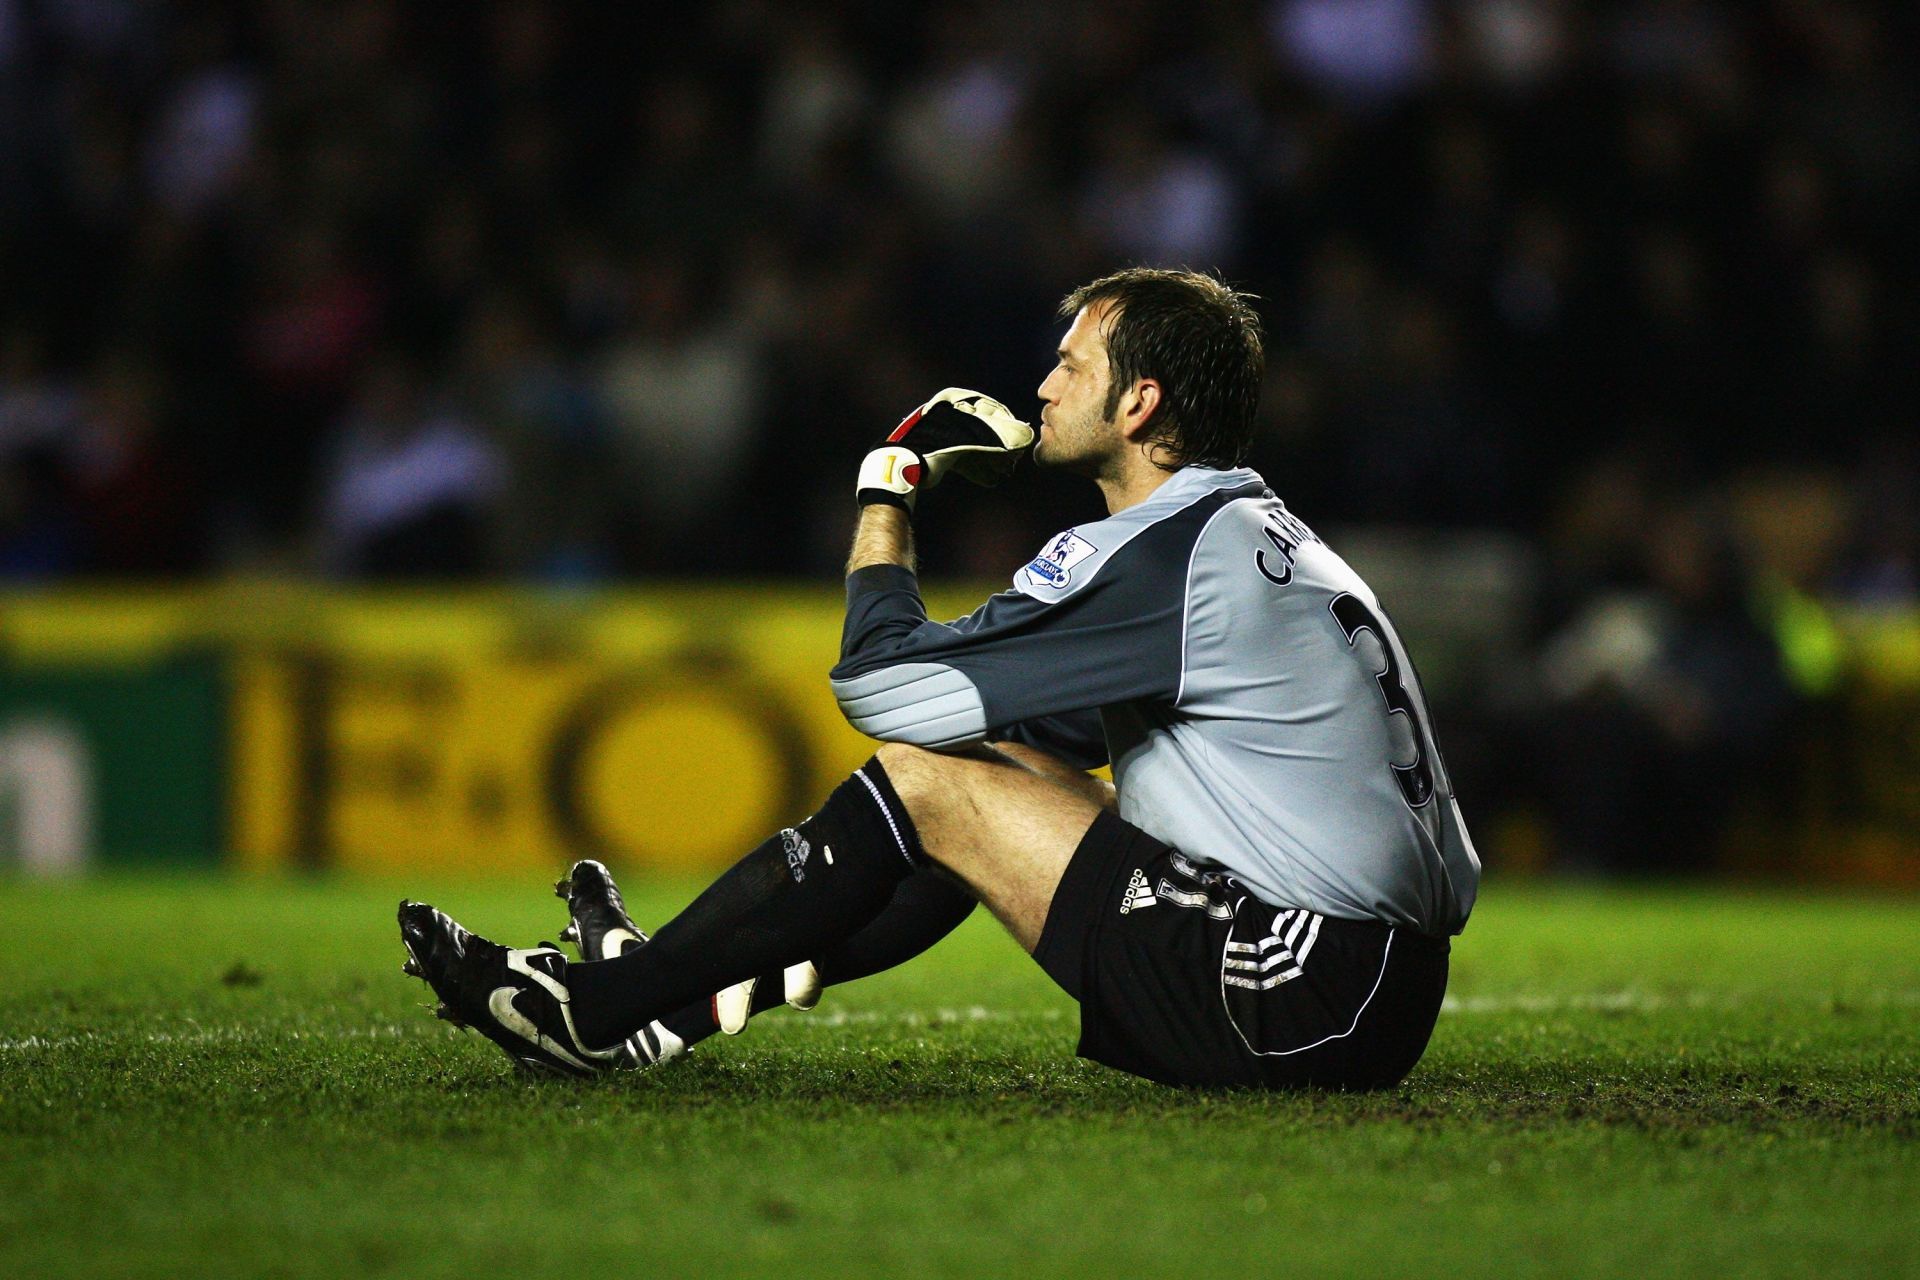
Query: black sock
x=925 y=908
x=799 y=894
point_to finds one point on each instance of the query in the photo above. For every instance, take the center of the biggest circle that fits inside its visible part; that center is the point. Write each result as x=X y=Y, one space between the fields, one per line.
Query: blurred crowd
x=375 y=288
x=578 y=293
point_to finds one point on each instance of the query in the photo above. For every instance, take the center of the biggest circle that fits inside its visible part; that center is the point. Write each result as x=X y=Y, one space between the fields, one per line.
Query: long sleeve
x=1094 y=621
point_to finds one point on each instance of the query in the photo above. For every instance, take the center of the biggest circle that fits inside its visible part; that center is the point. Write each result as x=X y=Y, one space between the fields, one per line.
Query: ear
x=1137 y=408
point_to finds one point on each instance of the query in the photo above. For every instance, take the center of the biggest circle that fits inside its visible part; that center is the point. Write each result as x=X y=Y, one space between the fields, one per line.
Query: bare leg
x=1050 y=766
x=1005 y=820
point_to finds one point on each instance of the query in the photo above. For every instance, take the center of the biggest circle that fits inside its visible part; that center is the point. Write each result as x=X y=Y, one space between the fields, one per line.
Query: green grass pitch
x=212 y=1077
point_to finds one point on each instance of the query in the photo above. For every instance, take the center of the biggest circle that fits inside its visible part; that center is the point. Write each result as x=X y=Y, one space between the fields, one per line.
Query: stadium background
x=426 y=431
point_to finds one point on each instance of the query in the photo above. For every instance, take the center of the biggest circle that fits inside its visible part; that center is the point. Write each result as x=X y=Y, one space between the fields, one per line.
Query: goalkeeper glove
x=732 y=1007
x=959 y=431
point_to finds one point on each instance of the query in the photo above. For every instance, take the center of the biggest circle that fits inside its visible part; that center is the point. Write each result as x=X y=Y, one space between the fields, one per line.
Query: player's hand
x=732 y=1007
x=957 y=431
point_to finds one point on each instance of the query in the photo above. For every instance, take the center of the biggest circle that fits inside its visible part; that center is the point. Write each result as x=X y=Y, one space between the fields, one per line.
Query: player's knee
x=911 y=779
x=927 y=782
x=913 y=770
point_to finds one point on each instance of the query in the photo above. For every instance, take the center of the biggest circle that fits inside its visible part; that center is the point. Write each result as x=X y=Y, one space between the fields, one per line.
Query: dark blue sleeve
x=1021 y=659
x=884 y=611
x=883 y=608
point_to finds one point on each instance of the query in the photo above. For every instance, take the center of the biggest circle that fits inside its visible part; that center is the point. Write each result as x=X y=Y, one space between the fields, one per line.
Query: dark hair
x=1197 y=338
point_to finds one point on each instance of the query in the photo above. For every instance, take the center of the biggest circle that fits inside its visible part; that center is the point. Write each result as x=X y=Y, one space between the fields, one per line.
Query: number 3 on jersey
x=1354 y=617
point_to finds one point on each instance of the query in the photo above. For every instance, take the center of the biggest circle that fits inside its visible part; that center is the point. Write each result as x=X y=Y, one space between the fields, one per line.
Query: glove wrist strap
x=889 y=474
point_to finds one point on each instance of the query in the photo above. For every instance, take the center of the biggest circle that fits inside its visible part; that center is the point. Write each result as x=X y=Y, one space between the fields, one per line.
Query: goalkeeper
x=1263 y=897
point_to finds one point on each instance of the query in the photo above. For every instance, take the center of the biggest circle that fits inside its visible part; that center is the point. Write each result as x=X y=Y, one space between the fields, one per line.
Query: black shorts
x=1185 y=977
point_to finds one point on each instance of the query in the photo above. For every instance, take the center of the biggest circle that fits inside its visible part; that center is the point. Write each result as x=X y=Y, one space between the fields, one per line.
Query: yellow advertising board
x=494 y=730
x=502 y=762
x=665 y=731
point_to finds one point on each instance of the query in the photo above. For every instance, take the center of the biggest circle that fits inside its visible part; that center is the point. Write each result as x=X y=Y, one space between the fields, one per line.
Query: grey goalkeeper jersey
x=1257 y=707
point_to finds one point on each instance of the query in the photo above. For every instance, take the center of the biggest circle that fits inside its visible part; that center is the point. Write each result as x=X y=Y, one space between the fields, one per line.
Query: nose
x=1047 y=382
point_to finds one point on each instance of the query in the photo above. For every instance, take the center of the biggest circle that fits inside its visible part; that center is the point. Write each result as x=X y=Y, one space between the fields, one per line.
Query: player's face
x=1075 y=431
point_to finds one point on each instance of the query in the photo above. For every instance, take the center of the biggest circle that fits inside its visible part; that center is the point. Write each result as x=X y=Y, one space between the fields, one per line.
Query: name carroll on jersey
x=1287 y=532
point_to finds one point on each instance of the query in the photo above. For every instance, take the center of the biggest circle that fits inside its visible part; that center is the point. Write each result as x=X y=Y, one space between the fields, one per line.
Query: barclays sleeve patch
x=1052 y=569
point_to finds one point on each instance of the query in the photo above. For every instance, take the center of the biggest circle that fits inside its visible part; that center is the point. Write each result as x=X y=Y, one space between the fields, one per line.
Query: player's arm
x=1015 y=661
x=884 y=536
x=957 y=432
x=886 y=540
x=1029 y=665
x=890 y=607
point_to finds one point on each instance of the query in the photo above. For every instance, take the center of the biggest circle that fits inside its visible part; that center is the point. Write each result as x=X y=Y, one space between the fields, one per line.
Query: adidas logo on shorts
x=1139 y=892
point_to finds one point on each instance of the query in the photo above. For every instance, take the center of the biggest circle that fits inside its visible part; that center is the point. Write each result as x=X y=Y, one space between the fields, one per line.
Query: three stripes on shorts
x=1258 y=966
x=1276 y=958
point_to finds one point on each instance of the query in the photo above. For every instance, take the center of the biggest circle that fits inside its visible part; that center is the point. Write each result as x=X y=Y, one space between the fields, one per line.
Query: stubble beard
x=1081 y=454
